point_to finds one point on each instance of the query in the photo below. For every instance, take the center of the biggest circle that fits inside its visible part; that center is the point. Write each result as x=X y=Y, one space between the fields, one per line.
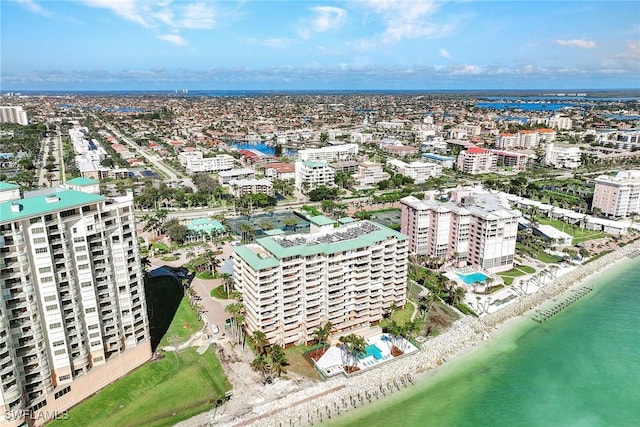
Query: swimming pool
x=372 y=350
x=472 y=278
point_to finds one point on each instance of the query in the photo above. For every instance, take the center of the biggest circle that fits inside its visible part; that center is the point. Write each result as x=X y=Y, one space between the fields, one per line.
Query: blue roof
x=82 y=182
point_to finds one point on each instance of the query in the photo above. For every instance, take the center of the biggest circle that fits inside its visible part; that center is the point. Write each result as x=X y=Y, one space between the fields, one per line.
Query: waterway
x=580 y=368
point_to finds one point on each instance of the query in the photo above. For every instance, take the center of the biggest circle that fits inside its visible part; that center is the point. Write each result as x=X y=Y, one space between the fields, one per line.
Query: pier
x=576 y=294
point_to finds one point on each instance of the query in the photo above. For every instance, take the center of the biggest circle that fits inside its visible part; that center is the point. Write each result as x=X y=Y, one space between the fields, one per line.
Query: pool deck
x=331 y=361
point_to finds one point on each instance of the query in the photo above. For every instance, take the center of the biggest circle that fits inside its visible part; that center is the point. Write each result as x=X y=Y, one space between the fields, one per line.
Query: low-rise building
x=195 y=162
x=240 y=187
x=444 y=161
x=370 y=173
x=281 y=171
x=311 y=175
x=563 y=156
x=225 y=177
x=418 y=171
x=333 y=153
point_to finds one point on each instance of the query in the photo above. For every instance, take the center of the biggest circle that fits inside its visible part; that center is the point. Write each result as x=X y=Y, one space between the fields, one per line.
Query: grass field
x=184 y=383
x=579 y=235
x=300 y=365
x=508 y=276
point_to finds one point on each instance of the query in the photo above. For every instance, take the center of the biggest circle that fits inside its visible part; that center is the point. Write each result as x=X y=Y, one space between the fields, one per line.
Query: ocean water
x=581 y=368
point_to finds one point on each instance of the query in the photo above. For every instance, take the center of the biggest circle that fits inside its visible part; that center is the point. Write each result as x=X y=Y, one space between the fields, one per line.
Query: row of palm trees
x=270 y=360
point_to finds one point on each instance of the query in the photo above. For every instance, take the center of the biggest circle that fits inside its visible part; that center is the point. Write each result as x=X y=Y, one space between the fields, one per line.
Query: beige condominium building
x=348 y=275
x=73 y=314
x=619 y=195
x=470 y=229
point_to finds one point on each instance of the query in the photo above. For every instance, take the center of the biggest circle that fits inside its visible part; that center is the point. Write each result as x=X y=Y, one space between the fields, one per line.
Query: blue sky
x=354 y=44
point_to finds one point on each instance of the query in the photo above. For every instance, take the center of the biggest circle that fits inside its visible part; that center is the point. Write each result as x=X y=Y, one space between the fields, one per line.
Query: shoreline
x=325 y=401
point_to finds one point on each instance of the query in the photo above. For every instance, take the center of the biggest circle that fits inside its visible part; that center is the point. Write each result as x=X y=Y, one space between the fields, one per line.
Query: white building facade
x=13 y=114
x=562 y=156
x=73 y=310
x=473 y=228
x=194 y=162
x=349 y=276
x=619 y=195
x=333 y=153
x=311 y=175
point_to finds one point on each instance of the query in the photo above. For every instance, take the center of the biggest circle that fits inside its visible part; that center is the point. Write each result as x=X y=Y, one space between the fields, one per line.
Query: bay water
x=580 y=368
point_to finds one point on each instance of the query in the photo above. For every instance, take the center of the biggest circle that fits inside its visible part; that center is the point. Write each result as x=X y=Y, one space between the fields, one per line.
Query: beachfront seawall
x=328 y=399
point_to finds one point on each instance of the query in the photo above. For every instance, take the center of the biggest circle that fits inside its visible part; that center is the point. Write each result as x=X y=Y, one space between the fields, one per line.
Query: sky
x=311 y=45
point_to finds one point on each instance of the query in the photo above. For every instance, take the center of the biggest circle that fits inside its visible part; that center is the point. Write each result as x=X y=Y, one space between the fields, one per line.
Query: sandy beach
x=306 y=405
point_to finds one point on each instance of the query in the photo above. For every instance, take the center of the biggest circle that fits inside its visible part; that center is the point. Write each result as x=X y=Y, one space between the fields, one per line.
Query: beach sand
x=465 y=338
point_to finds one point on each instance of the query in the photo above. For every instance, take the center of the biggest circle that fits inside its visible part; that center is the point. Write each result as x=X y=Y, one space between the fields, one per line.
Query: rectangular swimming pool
x=472 y=278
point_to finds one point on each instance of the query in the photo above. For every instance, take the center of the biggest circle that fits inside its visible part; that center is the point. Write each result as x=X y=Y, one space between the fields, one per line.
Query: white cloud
x=197 y=16
x=131 y=10
x=33 y=7
x=176 y=39
x=581 y=43
x=325 y=18
x=409 y=19
x=445 y=53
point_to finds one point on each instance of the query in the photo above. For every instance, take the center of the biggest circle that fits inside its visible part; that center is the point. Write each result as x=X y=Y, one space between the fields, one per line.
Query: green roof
x=274 y=232
x=321 y=220
x=38 y=205
x=5 y=186
x=204 y=224
x=315 y=164
x=254 y=260
x=82 y=182
x=280 y=252
x=346 y=220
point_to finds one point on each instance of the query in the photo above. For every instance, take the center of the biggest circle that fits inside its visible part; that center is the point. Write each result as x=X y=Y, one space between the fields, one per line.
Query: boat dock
x=576 y=294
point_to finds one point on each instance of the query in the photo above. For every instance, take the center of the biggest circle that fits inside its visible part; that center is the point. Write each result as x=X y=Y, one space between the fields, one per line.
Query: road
x=151 y=158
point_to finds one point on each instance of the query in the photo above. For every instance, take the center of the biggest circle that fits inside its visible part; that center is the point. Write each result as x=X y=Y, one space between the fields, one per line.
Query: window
x=96 y=344
x=42 y=250
x=60 y=352
x=55 y=325
x=39 y=240
x=94 y=335
x=85 y=284
x=48 y=279
x=81 y=257
x=98 y=359
x=67 y=213
x=52 y=307
x=78 y=239
x=64 y=377
x=49 y=298
x=58 y=343
x=65 y=390
x=92 y=327
x=81 y=248
x=35 y=220
x=83 y=267
x=90 y=310
x=38 y=406
x=43 y=270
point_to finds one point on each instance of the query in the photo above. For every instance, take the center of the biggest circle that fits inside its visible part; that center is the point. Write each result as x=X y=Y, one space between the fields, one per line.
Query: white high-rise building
x=349 y=276
x=473 y=228
x=618 y=196
x=418 y=171
x=73 y=314
x=13 y=114
x=476 y=160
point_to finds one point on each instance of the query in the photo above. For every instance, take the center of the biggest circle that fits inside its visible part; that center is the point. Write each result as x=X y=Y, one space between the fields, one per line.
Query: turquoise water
x=372 y=350
x=472 y=278
x=581 y=368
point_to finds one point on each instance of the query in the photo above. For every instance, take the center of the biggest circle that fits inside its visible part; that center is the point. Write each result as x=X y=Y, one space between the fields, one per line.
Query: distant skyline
x=309 y=45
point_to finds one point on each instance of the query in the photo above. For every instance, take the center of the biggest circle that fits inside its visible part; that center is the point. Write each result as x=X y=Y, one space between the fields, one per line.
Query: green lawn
x=184 y=383
x=508 y=276
x=579 y=235
x=219 y=293
x=400 y=316
x=298 y=363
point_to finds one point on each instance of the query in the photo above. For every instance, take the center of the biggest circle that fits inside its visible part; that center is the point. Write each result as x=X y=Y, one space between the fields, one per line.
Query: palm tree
x=259 y=340
x=236 y=311
x=354 y=347
x=278 y=360
x=321 y=335
x=458 y=296
x=246 y=232
x=227 y=280
x=260 y=364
